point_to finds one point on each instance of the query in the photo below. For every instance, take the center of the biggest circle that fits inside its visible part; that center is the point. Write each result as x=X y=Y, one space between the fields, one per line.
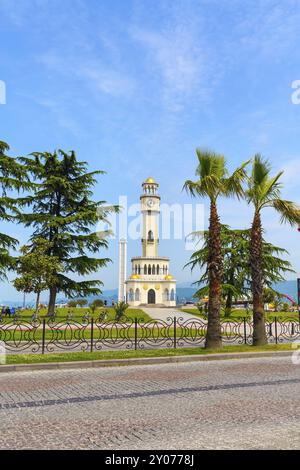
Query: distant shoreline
x=284 y=287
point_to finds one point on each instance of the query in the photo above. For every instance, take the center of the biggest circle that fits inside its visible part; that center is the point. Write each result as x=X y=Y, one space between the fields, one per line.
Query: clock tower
x=150 y=282
x=150 y=208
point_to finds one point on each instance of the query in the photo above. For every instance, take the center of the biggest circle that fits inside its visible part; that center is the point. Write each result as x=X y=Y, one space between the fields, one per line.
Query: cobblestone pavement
x=232 y=404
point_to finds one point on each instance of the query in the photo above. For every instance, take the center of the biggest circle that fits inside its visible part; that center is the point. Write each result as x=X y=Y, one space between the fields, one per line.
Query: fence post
x=270 y=330
x=92 y=334
x=135 y=333
x=245 y=331
x=276 y=338
x=175 y=335
x=43 y=336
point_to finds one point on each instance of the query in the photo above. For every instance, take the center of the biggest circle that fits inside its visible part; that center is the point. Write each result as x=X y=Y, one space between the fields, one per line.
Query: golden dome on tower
x=168 y=276
x=150 y=180
x=134 y=276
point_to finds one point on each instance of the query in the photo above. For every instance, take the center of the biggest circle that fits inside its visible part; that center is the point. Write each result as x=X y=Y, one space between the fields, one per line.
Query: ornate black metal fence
x=23 y=335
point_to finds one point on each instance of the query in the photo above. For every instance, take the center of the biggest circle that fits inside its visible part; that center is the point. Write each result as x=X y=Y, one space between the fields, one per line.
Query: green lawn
x=66 y=334
x=78 y=313
x=84 y=356
x=241 y=313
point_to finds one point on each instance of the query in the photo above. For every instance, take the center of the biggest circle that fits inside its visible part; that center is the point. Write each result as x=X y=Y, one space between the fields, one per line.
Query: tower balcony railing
x=151 y=277
x=162 y=258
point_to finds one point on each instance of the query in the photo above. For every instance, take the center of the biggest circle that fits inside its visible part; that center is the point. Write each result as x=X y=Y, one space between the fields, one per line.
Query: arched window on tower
x=145 y=269
x=135 y=269
x=153 y=269
x=157 y=269
x=149 y=269
x=172 y=297
x=150 y=236
x=137 y=295
x=131 y=296
x=166 y=295
x=139 y=269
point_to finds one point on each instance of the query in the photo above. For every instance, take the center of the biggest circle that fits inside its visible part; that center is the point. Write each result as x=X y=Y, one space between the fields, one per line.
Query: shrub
x=120 y=309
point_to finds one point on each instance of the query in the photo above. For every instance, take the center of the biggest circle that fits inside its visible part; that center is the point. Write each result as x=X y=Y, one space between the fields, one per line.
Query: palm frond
x=210 y=163
x=261 y=169
x=270 y=190
x=233 y=186
x=289 y=211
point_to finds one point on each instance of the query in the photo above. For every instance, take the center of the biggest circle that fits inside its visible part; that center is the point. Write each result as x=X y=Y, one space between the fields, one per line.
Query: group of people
x=8 y=311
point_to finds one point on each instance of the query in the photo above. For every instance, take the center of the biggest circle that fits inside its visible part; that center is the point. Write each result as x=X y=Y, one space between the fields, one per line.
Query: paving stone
x=238 y=404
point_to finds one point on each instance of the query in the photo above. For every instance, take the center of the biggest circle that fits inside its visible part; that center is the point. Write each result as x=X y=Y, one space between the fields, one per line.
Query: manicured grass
x=242 y=313
x=238 y=313
x=78 y=313
x=63 y=333
x=121 y=354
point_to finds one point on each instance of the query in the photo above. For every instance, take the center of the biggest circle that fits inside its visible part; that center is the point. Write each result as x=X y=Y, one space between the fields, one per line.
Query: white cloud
x=175 y=55
x=291 y=174
x=60 y=111
x=269 y=28
x=108 y=80
x=178 y=58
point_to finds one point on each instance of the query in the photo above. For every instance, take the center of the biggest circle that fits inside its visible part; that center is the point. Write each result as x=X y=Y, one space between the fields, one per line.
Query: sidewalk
x=140 y=361
x=165 y=313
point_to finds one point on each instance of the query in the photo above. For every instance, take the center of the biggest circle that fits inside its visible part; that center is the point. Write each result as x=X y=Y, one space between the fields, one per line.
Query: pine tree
x=235 y=245
x=62 y=212
x=12 y=181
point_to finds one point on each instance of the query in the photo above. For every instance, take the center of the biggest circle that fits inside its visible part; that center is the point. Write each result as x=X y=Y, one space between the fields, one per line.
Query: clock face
x=150 y=203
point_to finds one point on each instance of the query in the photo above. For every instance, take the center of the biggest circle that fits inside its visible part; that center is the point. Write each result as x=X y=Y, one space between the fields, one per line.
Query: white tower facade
x=150 y=281
x=122 y=269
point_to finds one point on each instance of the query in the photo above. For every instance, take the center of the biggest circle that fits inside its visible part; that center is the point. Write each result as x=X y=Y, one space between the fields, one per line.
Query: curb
x=138 y=361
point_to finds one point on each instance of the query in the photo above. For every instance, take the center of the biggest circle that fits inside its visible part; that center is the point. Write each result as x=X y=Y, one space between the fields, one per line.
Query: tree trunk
x=229 y=299
x=52 y=300
x=259 y=328
x=228 y=306
x=213 y=336
x=37 y=305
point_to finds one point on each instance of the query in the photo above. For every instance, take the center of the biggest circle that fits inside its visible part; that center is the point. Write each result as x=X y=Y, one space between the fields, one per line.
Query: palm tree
x=264 y=191
x=120 y=309
x=214 y=181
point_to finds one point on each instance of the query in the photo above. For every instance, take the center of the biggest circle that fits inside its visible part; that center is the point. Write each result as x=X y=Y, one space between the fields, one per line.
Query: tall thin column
x=122 y=269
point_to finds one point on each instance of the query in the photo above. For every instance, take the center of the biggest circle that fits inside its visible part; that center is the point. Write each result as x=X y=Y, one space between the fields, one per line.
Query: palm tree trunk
x=52 y=300
x=213 y=336
x=259 y=329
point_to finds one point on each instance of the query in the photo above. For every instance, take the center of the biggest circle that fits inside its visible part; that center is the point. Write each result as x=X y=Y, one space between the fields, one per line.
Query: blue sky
x=135 y=86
